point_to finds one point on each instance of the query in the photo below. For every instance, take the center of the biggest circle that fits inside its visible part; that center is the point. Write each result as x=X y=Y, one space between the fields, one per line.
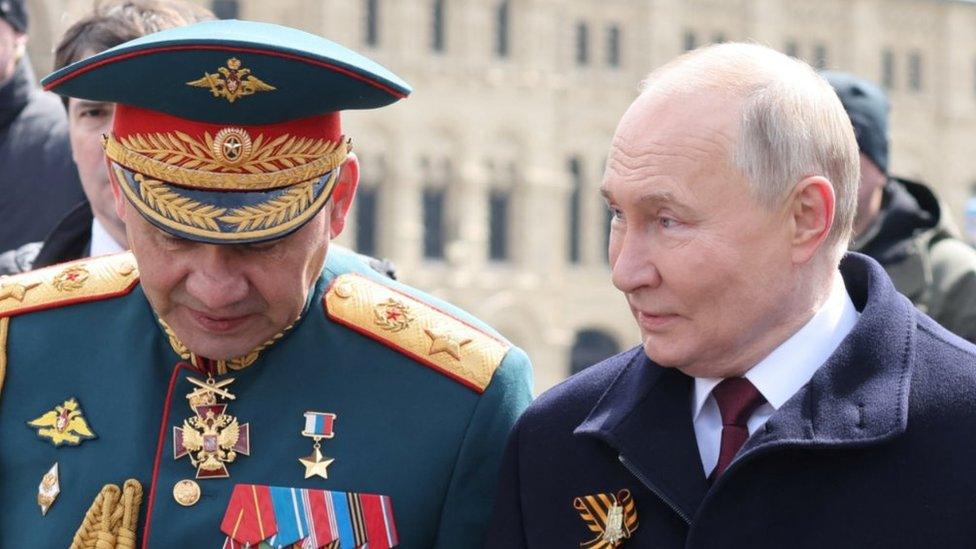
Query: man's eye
x=667 y=222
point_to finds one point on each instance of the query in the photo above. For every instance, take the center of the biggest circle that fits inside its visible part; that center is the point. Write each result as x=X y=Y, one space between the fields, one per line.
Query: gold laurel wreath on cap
x=276 y=215
x=205 y=164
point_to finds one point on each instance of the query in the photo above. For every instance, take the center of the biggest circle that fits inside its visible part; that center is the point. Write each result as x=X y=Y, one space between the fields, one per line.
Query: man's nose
x=632 y=263
x=215 y=282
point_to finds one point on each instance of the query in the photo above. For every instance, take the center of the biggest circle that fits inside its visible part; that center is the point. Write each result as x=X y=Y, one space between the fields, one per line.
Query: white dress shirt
x=780 y=375
x=102 y=243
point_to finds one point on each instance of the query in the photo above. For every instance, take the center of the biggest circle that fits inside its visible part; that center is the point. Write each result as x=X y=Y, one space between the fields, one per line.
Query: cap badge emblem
x=612 y=517
x=232 y=146
x=231 y=82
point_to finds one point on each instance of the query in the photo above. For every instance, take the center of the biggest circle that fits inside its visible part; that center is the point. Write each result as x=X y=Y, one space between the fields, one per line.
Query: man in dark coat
x=903 y=224
x=38 y=181
x=782 y=396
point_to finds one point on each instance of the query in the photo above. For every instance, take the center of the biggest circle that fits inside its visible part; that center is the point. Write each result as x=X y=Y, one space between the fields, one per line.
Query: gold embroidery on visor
x=277 y=215
x=228 y=161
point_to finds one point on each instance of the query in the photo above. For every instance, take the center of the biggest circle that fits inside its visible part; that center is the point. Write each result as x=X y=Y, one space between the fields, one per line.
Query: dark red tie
x=737 y=399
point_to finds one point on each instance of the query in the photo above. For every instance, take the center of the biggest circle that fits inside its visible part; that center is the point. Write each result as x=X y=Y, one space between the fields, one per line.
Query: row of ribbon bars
x=275 y=517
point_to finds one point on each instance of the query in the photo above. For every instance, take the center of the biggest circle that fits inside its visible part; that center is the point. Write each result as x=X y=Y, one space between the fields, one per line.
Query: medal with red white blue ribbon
x=318 y=425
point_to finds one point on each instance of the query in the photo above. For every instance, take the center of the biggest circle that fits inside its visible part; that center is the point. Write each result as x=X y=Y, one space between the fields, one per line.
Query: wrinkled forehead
x=681 y=113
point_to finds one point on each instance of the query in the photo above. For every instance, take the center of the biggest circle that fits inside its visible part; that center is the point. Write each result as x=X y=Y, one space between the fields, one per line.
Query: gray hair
x=792 y=124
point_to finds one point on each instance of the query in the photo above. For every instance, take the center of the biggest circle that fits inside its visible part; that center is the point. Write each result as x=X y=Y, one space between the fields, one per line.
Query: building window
x=591 y=347
x=888 y=69
x=498 y=209
x=915 y=71
x=438 y=37
x=366 y=219
x=792 y=48
x=225 y=9
x=689 y=41
x=613 y=46
x=582 y=43
x=576 y=180
x=820 y=56
x=501 y=29
x=434 y=201
x=372 y=9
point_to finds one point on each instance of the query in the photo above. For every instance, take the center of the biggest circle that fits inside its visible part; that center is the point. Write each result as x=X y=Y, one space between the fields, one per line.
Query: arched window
x=582 y=43
x=502 y=14
x=225 y=9
x=888 y=69
x=591 y=346
x=613 y=46
x=372 y=22
x=502 y=179
x=438 y=35
x=436 y=176
x=367 y=197
x=915 y=71
x=575 y=196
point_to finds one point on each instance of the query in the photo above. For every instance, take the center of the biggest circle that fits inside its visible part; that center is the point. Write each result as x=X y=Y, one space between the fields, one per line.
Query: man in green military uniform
x=234 y=380
x=903 y=224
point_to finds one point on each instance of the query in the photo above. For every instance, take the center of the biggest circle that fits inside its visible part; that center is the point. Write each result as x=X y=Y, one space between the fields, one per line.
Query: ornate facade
x=482 y=187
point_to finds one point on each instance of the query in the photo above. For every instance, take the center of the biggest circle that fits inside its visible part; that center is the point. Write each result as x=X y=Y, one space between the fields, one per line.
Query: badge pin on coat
x=48 y=489
x=318 y=425
x=611 y=517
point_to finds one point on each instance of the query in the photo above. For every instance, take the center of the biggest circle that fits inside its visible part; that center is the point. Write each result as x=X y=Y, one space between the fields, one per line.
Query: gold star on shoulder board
x=316 y=464
x=442 y=342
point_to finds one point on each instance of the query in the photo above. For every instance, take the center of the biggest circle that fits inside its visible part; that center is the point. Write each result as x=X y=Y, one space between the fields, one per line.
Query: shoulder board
x=91 y=279
x=419 y=330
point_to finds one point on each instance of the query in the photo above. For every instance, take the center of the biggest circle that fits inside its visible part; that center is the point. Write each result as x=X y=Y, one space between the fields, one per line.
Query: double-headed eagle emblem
x=232 y=82
x=65 y=424
x=212 y=438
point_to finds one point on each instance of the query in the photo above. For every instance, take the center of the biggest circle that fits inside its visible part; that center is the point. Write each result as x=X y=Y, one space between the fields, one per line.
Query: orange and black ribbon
x=595 y=512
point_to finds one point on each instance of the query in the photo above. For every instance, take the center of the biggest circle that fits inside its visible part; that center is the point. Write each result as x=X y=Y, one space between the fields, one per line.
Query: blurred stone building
x=482 y=186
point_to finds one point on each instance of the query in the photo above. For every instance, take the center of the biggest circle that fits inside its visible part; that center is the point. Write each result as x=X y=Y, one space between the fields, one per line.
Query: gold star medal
x=48 y=489
x=65 y=424
x=212 y=437
x=318 y=425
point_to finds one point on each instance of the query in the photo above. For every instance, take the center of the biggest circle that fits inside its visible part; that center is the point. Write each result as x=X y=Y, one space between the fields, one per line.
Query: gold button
x=343 y=290
x=186 y=492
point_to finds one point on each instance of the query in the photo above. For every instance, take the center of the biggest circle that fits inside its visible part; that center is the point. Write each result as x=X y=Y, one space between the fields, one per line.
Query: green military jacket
x=423 y=397
x=920 y=249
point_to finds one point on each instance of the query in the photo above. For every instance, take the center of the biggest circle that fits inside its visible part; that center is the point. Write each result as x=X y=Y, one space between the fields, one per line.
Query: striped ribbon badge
x=613 y=518
x=308 y=519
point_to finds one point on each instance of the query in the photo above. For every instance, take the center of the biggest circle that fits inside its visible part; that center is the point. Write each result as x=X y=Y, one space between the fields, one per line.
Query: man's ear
x=116 y=191
x=812 y=213
x=343 y=194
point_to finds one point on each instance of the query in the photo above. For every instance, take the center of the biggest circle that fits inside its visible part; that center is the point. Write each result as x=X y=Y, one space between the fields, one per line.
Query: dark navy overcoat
x=877 y=450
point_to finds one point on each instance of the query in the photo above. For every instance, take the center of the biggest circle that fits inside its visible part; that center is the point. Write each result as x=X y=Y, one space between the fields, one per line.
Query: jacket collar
x=16 y=92
x=858 y=397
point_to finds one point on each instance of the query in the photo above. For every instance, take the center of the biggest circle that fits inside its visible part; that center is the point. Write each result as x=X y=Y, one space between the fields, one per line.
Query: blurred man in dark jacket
x=902 y=224
x=38 y=182
x=92 y=227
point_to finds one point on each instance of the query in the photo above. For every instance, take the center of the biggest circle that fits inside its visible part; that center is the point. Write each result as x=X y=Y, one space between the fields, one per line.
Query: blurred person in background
x=92 y=227
x=38 y=182
x=903 y=224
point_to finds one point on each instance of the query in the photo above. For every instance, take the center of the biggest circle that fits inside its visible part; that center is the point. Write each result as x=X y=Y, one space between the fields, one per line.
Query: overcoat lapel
x=645 y=416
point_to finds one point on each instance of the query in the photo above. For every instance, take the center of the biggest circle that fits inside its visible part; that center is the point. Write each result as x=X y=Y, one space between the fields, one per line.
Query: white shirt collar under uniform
x=781 y=374
x=102 y=243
